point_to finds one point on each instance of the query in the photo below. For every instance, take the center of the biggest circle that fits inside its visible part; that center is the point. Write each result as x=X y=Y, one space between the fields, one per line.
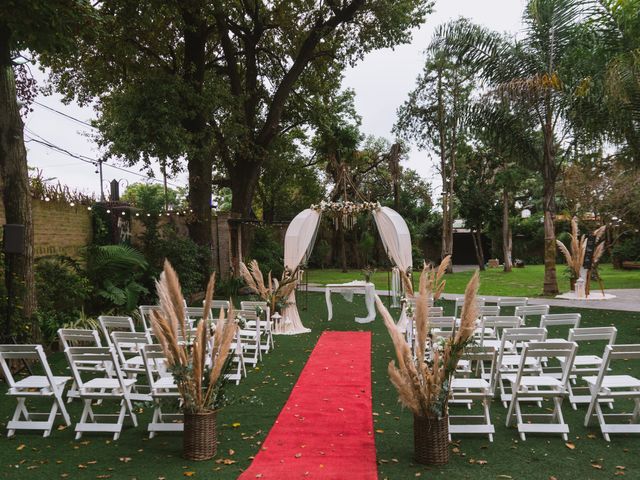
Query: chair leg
x=86 y=412
x=16 y=415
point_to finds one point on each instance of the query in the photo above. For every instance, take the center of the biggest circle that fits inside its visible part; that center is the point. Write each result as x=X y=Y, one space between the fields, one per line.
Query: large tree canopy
x=218 y=81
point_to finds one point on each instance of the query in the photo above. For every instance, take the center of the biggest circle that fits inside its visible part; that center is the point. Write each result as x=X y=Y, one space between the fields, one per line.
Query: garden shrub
x=62 y=289
x=628 y=250
x=186 y=257
x=267 y=249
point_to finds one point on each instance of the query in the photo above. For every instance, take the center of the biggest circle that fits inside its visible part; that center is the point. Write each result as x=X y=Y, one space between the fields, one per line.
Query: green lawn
x=522 y=282
x=135 y=457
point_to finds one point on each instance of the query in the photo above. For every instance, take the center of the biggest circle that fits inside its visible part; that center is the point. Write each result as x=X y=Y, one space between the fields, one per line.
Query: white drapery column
x=298 y=244
x=396 y=239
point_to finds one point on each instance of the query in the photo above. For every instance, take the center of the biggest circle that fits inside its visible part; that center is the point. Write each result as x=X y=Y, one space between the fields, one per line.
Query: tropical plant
x=62 y=289
x=434 y=116
x=578 y=245
x=116 y=272
x=537 y=75
x=274 y=292
x=199 y=376
x=423 y=382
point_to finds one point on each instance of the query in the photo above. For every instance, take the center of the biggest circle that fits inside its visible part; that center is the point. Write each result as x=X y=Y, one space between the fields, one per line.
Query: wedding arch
x=301 y=235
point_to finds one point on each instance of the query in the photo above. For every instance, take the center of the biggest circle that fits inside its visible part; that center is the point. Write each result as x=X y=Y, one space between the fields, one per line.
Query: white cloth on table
x=347 y=290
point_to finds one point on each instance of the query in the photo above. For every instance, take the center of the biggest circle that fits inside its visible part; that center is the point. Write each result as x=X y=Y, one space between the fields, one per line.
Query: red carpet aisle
x=325 y=430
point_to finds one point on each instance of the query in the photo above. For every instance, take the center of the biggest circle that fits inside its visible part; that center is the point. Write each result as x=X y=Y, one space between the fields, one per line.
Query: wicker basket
x=199 y=440
x=431 y=440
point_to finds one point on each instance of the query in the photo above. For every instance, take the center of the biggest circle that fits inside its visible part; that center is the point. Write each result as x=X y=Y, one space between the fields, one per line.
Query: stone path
x=627 y=300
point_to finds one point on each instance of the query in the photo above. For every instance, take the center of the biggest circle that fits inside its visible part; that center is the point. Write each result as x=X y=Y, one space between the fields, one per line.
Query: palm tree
x=537 y=75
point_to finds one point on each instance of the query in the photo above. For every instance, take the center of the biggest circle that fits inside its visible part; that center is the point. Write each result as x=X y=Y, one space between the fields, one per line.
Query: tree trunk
x=447 y=230
x=549 y=208
x=14 y=180
x=507 y=239
x=476 y=235
x=200 y=177
x=200 y=161
x=244 y=179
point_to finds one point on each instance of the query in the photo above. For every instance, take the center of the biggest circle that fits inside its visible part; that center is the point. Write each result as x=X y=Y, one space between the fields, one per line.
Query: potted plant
x=272 y=291
x=423 y=380
x=198 y=375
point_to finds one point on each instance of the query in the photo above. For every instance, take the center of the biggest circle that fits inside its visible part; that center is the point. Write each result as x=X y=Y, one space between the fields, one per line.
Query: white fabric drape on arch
x=396 y=239
x=298 y=244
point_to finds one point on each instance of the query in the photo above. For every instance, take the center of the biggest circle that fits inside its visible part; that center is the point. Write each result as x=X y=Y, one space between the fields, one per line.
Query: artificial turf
x=244 y=424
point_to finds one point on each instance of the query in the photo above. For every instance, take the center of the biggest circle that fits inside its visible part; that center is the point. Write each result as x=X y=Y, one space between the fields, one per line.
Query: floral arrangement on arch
x=346 y=207
x=345 y=211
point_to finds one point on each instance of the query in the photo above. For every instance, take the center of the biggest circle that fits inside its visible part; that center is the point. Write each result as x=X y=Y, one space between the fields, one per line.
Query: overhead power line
x=40 y=140
x=82 y=122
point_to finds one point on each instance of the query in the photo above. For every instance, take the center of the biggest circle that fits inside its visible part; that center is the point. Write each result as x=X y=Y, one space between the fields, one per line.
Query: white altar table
x=347 y=290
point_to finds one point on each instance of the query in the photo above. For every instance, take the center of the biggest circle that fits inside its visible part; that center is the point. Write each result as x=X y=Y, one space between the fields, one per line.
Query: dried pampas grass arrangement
x=198 y=374
x=274 y=292
x=574 y=255
x=423 y=381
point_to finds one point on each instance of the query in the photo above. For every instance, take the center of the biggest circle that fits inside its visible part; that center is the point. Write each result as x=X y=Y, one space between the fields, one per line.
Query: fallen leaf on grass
x=20 y=447
x=188 y=474
x=570 y=445
x=226 y=461
x=597 y=466
x=125 y=459
x=235 y=424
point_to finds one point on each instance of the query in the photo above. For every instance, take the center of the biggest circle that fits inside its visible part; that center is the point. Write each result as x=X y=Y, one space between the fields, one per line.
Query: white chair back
x=112 y=323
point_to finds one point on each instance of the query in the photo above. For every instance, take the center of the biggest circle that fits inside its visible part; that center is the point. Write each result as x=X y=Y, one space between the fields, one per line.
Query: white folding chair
x=528 y=311
x=490 y=328
x=73 y=337
x=195 y=314
x=217 y=305
x=265 y=325
x=510 y=357
x=162 y=387
x=145 y=315
x=512 y=301
x=236 y=352
x=47 y=386
x=587 y=364
x=571 y=320
x=623 y=388
x=435 y=312
x=480 y=388
x=488 y=311
x=116 y=388
x=251 y=336
x=111 y=323
x=460 y=303
x=531 y=384
x=129 y=347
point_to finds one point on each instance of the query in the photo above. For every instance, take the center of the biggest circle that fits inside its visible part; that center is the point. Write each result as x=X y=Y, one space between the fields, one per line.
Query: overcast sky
x=381 y=82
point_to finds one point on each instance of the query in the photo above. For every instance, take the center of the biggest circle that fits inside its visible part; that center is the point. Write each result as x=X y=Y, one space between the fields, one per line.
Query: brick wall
x=59 y=229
